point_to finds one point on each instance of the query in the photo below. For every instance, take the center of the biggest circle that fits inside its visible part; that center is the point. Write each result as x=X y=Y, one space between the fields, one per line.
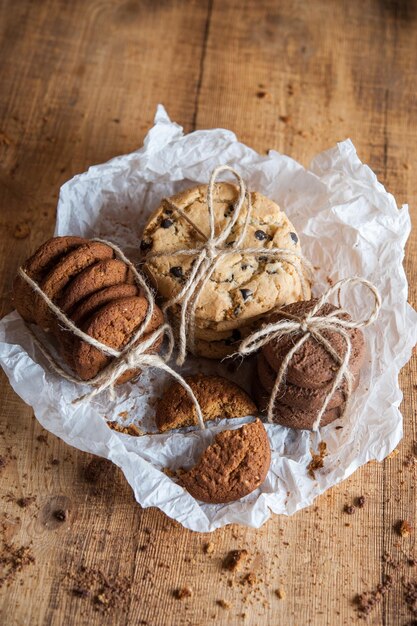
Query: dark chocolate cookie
x=312 y=366
x=293 y=417
x=300 y=397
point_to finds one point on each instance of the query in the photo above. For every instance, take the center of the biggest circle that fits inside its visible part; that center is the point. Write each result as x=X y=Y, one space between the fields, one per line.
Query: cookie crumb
x=403 y=528
x=21 y=230
x=183 y=592
x=223 y=604
x=360 y=502
x=250 y=579
x=393 y=454
x=208 y=547
x=317 y=460
x=25 y=502
x=367 y=600
x=350 y=509
x=280 y=593
x=234 y=560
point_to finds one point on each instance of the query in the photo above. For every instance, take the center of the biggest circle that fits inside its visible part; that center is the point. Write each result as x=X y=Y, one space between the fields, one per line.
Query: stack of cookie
x=243 y=287
x=95 y=290
x=310 y=373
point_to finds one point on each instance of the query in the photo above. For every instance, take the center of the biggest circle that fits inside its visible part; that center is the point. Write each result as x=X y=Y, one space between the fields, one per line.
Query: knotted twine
x=130 y=357
x=212 y=250
x=312 y=325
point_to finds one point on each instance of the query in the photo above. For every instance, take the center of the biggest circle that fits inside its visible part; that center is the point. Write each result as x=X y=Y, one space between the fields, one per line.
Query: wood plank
x=80 y=82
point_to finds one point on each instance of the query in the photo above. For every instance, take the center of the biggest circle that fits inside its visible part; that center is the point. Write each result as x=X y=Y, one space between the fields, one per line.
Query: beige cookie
x=232 y=467
x=217 y=396
x=243 y=286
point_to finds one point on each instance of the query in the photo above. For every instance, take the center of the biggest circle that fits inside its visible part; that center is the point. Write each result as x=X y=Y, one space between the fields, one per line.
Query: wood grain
x=79 y=84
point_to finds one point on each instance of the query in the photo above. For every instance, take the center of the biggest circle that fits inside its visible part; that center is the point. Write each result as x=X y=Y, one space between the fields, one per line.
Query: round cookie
x=312 y=366
x=85 y=309
x=233 y=466
x=37 y=266
x=217 y=396
x=301 y=397
x=114 y=324
x=58 y=278
x=95 y=277
x=242 y=286
x=293 y=417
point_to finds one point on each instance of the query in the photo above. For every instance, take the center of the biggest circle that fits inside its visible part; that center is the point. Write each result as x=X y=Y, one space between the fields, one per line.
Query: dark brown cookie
x=293 y=417
x=217 y=396
x=37 y=266
x=113 y=324
x=95 y=277
x=312 y=366
x=69 y=266
x=85 y=309
x=300 y=397
x=233 y=466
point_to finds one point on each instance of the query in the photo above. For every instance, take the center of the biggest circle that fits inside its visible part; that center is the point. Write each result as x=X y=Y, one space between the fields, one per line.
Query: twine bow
x=212 y=250
x=132 y=356
x=312 y=325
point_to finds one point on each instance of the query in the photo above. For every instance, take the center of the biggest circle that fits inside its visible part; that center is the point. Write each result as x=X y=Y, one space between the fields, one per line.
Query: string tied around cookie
x=312 y=324
x=132 y=356
x=212 y=250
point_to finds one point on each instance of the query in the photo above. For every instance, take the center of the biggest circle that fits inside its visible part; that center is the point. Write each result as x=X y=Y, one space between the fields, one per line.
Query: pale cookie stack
x=95 y=290
x=244 y=287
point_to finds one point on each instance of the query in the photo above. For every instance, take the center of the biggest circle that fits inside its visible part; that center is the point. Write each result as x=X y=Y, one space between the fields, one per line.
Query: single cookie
x=232 y=467
x=95 y=277
x=85 y=309
x=37 y=266
x=242 y=286
x=114 y=324
x=68 y=267
x=217 y=396
x=312 y=366
x=301 y=397
x=293 y=417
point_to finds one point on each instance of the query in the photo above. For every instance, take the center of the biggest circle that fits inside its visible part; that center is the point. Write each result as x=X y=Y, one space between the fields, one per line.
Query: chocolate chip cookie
x=242 y=286
x=233 y=466
x=217 y=396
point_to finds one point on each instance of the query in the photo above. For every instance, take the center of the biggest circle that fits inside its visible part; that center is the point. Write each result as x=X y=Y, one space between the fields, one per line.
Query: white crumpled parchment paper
x=348 y=225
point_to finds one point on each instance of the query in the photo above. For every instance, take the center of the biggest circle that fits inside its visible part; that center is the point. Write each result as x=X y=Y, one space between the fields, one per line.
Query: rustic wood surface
x=80 y=81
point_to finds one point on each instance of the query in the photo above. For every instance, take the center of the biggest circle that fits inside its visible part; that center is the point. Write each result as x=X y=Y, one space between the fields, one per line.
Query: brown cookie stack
x=310 y=373
x=95 y=290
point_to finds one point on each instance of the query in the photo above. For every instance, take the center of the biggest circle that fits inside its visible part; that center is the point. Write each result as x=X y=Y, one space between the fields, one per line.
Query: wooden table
x=80 y=82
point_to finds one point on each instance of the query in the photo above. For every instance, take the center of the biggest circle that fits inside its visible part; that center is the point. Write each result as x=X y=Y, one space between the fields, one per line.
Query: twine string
x=313 y=325
x=211 y=250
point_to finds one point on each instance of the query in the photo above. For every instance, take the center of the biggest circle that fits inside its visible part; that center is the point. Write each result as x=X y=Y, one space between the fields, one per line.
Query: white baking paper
x=348 y=225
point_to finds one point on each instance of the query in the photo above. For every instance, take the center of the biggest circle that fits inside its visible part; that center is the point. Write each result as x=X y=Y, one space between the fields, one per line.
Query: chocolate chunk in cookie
x=233 y=466
x=113 y=325
x=312 y=365
x=217 y=396
x=67 y=268
x=37 y=266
